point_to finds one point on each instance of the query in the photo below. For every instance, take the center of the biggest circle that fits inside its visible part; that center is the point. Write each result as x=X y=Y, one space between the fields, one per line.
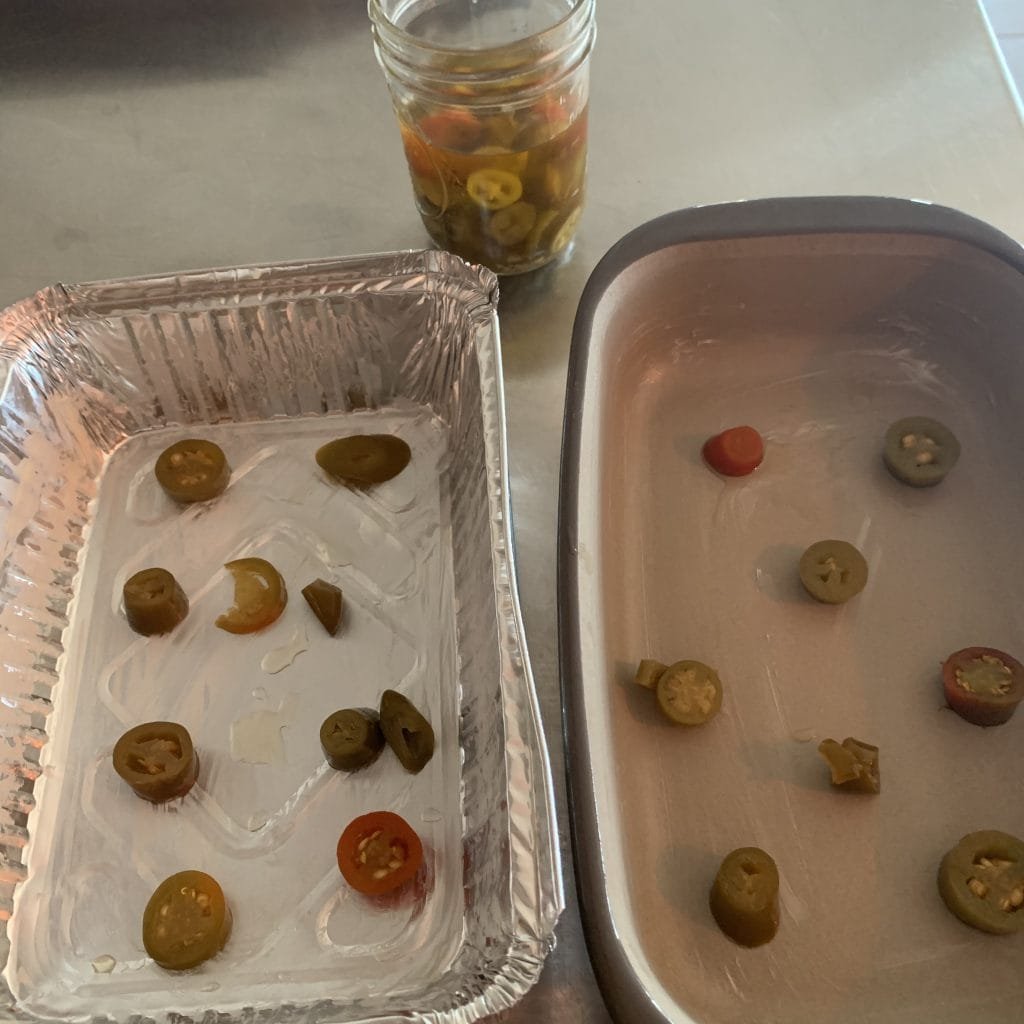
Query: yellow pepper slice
x=493 y=189
x=512 y=224
x=260 y=596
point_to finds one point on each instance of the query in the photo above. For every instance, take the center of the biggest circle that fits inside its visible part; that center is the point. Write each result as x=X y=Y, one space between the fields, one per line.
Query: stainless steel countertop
x=137 y=138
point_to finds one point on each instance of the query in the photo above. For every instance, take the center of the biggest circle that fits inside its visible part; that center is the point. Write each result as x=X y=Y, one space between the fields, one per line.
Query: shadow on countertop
x=53 y=47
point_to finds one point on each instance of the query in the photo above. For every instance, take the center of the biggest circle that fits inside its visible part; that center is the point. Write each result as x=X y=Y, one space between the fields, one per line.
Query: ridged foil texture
x=269 y=362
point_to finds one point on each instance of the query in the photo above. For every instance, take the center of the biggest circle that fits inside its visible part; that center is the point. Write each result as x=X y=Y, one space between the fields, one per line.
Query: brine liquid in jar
x=504 y=189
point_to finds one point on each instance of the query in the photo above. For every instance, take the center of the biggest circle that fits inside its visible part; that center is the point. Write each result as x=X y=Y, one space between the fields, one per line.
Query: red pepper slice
x=379 y=853
x=452 y=129
x=735 y=452
x=983 y=685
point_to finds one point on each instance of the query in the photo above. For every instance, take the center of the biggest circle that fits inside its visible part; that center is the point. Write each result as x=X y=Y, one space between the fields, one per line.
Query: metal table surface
x=138 y=138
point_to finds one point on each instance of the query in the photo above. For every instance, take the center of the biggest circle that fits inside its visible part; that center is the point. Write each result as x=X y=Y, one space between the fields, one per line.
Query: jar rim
x=385 y=26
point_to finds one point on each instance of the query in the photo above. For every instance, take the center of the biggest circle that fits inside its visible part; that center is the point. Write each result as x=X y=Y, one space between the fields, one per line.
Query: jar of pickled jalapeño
x=491 y=98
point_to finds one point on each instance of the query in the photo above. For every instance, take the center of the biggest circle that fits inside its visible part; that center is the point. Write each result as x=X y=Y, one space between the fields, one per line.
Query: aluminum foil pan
x=269 y=362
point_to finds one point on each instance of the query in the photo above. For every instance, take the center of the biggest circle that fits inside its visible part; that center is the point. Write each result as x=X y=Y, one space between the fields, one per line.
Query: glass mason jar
x=491 y=98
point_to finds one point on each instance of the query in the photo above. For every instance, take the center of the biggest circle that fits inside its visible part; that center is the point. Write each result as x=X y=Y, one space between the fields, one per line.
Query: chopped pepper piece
x=854 y=765
x=408 y=733
x=326 y=601
x=648 y=672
